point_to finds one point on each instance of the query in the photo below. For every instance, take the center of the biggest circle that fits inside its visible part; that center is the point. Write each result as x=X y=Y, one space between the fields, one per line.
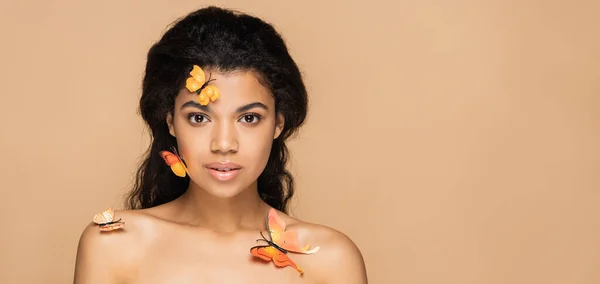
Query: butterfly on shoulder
x=281 y=242
x=105 y=220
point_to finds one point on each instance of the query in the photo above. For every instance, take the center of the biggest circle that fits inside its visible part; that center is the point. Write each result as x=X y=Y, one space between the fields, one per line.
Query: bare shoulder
x=339 y=259
x=106 y=257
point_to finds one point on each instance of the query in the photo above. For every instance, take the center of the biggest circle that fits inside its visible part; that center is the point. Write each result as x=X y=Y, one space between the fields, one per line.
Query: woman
x=221 y=94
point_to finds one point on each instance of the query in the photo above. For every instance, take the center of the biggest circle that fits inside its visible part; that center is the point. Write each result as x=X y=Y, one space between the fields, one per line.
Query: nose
x=224 y=138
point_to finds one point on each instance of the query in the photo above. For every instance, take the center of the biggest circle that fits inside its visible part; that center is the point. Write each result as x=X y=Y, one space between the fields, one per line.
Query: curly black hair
x=223 y=40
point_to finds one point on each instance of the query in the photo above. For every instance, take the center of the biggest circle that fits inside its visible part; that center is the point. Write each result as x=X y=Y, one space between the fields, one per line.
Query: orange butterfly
x=175 y=162
x=106 y=221
x=281 y=242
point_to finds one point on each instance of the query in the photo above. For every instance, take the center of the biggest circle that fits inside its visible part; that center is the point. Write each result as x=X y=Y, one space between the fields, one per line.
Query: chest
x=201 y=259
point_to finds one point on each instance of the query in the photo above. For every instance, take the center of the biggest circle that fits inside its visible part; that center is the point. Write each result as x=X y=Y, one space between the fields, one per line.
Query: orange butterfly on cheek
x=175 y=162
x=281 y=242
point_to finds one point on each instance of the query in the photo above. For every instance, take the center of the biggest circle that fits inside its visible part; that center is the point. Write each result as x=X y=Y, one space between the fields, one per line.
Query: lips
x=223 y=171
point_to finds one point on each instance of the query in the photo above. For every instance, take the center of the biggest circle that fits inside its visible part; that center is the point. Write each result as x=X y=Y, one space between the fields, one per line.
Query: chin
x=223 y=191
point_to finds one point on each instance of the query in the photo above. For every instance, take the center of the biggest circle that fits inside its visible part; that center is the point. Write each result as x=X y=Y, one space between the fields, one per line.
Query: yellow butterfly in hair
x=197 y=83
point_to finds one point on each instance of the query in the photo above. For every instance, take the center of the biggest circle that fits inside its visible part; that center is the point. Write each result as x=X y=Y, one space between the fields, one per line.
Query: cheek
x=193 y=145
x=255 y=148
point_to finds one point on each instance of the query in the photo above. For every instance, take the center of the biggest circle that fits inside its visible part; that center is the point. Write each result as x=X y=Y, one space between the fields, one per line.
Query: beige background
x=454 y=141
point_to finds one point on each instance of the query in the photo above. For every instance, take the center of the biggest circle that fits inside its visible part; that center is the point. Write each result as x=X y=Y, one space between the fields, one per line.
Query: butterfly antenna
x=209 y=78
x=261 y=233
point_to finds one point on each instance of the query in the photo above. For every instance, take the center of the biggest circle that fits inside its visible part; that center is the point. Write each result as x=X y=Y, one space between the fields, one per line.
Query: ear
x=170 y=124
x=279 y=124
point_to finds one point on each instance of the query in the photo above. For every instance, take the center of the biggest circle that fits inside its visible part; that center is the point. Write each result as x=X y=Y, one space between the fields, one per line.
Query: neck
x=246 y=210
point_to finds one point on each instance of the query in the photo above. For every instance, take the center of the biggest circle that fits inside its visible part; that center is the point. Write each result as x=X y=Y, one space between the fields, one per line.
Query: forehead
x=237 y=88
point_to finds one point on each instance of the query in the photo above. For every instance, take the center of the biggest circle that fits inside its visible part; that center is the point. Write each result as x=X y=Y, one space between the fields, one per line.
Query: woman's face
x=227 y=143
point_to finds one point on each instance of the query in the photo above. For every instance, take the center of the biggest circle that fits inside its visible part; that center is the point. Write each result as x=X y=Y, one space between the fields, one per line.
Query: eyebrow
x=251 y=106
x=196 y=105
x=239 y=109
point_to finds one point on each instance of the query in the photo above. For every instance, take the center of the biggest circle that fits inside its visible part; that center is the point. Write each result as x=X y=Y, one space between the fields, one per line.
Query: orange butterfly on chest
x=280 y=243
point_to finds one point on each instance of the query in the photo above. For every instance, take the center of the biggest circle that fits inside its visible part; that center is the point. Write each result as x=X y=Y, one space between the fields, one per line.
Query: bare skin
x=205 y=235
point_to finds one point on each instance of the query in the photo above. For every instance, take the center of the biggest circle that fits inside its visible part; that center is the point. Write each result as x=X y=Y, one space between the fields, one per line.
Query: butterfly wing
x=176 y=164
x=274 y=222
x=197 y=80
x=268 y=253
x=288 y=240
x=104 y=217
x=181 y=161
x=294 y=247
x=282 y=260
x=265 y=253
x=111 y=227
x=169 y=157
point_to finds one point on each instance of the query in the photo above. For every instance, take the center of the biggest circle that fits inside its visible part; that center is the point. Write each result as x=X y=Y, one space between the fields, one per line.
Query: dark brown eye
x=197 y=118
x=251 y=118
